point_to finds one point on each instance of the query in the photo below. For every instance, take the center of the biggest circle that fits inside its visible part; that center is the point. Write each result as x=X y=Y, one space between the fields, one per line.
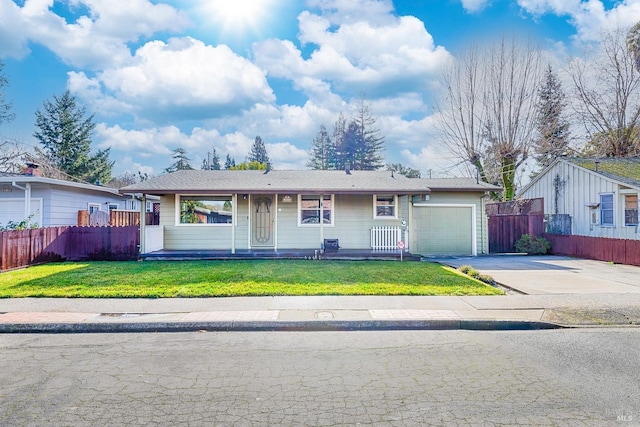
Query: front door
x=262 y=229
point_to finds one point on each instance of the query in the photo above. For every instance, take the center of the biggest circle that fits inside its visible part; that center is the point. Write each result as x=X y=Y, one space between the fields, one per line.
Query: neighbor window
x=631 y=209
x=112 y=206
x=606 y=209
x=94 y=207
x=385 y=206
x=310 y=210
x=206 y=210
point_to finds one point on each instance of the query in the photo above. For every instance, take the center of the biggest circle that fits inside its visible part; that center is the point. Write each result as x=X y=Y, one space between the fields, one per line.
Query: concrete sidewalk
x=318 y=313
x=549 y=292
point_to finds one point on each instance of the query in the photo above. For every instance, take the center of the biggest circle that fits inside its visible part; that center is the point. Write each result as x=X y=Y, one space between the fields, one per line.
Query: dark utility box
x=331 y=245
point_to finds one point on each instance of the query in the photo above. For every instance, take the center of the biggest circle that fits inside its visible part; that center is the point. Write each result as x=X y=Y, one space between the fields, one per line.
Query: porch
x=309 y=254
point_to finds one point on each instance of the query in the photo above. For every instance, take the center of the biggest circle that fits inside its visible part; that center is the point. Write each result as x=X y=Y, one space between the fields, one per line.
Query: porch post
x=143 y=224
x=234 y=221
x=322 y=221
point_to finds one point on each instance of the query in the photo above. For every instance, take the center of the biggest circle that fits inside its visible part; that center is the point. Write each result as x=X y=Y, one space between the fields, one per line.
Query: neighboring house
x=596 y=197
x=55 y=202
x=313 y=209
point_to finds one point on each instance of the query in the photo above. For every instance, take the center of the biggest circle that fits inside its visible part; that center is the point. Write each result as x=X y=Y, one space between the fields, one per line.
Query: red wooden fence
x=621 y=251
x=40 y=245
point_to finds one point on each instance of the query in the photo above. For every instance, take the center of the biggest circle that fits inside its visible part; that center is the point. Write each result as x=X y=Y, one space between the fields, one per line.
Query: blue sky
x=203 y=74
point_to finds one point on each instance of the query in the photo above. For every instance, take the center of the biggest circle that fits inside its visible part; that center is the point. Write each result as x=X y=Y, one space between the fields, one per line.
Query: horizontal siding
x=576 y=189
x=202 y=237
x=353 y=220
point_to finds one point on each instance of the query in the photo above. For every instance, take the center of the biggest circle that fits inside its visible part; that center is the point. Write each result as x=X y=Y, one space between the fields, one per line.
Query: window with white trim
x=630 y=209
x=112 y=206
x=309 y=209
x=205 y=210
x=385 y=206
x=94 y=207
x=606 y=210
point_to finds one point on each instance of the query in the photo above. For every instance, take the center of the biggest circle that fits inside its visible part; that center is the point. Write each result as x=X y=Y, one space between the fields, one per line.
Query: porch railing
x=385 y=238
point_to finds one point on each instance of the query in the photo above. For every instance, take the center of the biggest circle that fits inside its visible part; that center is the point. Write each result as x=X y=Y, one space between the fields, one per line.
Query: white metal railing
x=385 y=238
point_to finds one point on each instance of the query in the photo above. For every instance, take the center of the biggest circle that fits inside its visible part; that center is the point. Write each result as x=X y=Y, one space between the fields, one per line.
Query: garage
x=444 y=230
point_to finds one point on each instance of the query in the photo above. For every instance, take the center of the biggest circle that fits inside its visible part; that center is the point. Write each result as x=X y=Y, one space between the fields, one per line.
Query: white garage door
x=443 y=230
x=13 y=210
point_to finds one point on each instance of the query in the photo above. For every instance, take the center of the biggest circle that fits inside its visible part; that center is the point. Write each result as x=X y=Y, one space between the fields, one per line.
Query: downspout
x=27 y=200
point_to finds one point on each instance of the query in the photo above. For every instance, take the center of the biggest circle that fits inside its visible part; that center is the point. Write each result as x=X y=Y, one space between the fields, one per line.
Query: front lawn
x=164 y=279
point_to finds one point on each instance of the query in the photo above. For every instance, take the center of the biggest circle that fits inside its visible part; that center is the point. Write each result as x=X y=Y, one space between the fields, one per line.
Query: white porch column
x=143 y=224
x=234 y=222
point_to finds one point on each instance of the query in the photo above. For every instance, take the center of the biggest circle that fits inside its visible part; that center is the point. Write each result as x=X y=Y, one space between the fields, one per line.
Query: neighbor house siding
x=62 y=205
x=569 y=189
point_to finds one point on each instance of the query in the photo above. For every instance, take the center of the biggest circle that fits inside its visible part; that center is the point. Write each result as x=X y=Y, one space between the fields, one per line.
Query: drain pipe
x=27 y=199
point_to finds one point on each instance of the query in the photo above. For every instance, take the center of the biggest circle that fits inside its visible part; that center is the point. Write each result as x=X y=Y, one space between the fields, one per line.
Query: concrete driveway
x=549 y=274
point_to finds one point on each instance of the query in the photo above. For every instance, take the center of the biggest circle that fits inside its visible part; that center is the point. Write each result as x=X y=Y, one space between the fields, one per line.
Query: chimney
x=268 y=168
x=597 y=163
x=347 y=168
x=31 y=170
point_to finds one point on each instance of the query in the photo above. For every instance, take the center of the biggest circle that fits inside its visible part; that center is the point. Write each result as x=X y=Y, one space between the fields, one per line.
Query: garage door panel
x=443 y=230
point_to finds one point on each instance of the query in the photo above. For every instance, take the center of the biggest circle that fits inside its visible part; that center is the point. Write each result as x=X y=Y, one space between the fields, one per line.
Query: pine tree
x=338 y=135
x=322 y=154
x=65 y=134
x=229 y=162
x=182 y=162
x=553 y=130
x=258 y=152
x=212 y=162
x=369 y=154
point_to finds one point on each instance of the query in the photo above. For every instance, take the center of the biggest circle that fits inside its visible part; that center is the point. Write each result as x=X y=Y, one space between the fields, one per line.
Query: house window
x=94 y=207
x=631 y=209
x=385 y=206
x=206 y=210
x=112 y=206
x=606 y=209
x=309 y=212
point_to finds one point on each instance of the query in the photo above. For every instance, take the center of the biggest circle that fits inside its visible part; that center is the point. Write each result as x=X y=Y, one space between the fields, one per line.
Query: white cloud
x=181 y=79
x=14 y=38
x=590 y=17
x=96 y=39
x=473 y=6
x=358 y=56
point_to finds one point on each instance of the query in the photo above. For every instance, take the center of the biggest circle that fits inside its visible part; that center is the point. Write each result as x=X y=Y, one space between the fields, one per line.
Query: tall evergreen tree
x=229 y=162
x=65 y=134
x=258 y=152
x=181 y=161
x=553 y=130
x=338 y=135
x=322 y=154
x=369 y=153
x=212 y=162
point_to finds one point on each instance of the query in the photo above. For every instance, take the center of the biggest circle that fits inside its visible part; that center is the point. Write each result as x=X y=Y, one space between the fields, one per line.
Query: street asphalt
x=542 y=292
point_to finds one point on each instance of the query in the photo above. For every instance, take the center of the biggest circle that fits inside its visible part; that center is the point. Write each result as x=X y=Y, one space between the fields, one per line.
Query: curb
x=279 y=326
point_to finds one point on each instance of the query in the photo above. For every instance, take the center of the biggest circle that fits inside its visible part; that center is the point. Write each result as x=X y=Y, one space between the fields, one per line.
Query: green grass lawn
x=160 y=279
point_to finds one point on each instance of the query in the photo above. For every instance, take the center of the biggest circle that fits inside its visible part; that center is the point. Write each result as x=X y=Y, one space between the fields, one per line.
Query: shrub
x=533 y=245
x=472 y=272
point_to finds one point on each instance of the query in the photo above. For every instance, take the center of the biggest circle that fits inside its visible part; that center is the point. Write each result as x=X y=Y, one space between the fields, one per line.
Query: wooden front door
x=262 y=224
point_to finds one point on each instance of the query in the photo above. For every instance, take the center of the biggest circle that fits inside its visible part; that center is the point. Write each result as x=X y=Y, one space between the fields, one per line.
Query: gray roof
x=287 y=181
x=21 y=179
